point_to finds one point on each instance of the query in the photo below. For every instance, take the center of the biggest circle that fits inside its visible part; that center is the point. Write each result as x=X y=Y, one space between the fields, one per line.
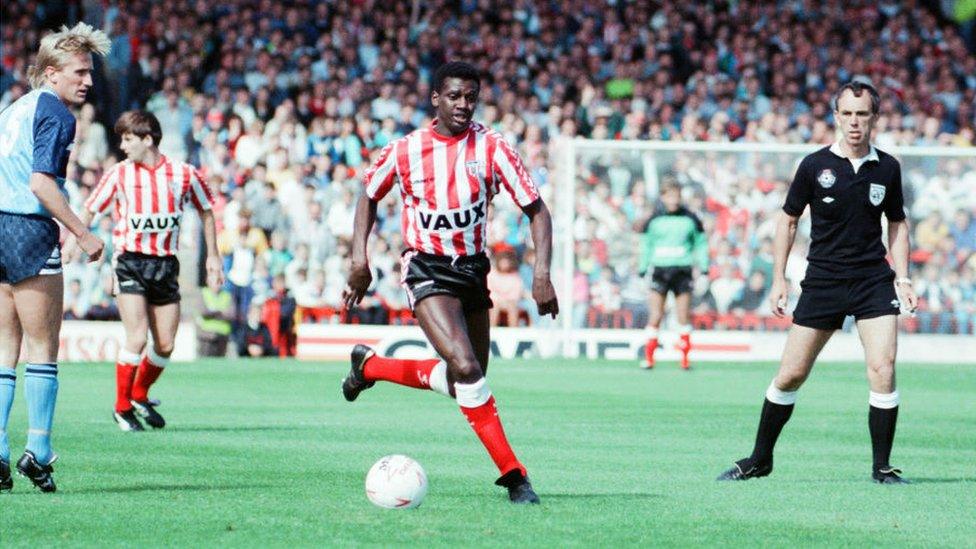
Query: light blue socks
x=8 y=381
x=41 y=387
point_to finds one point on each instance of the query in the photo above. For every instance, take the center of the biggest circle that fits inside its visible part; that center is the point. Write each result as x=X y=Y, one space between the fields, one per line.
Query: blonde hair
x=58 y=47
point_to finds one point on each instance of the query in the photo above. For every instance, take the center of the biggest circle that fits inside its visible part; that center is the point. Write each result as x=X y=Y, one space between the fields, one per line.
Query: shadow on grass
x=236 y=428
x=166 y=488
x=941 y=480
x=615 y=496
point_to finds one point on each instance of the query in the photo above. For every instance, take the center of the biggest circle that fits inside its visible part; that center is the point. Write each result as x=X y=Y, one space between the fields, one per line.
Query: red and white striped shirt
x=446 y=184
x=148 y=203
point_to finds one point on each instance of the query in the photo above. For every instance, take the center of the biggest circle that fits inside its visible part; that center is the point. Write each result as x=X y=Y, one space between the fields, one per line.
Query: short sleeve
x=511 y=172
x=894 y=207
x=199 y=191
x=798 y=196
x=101 y=197
x=379 y=178
x=54 y=132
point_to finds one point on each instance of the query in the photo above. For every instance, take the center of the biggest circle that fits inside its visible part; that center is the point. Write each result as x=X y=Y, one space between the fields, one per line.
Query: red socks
x=125 y=374
x=412 y=373
x=685 y=347
x=484 y=420
x=649 y=351
x=147 y=375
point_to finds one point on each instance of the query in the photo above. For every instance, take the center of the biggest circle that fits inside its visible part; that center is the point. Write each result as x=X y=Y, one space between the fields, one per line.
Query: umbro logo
x=828 y=199
x=895 y=303
x=127 y=283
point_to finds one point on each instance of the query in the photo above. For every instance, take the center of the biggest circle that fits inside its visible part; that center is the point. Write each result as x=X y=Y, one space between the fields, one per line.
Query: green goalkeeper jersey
x=674 y=239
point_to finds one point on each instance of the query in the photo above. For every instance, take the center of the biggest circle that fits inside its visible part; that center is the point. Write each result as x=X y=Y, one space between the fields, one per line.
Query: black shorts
x=155 y=277
x=677 y=280
x=825 y=302
x=463 y=277
x=30 y=247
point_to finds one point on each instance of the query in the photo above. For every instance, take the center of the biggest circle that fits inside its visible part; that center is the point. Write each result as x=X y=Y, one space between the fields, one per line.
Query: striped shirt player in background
x=146 y=195
x=36 y=134
x=448 y=174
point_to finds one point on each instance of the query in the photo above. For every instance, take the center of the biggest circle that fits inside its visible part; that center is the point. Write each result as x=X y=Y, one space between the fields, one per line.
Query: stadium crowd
x=282 y=105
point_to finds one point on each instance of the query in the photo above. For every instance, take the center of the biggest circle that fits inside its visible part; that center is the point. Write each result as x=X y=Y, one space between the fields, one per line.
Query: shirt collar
x=871 y=156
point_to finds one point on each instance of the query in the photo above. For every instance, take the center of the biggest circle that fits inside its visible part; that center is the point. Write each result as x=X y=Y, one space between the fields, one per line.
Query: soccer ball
x=396 y=482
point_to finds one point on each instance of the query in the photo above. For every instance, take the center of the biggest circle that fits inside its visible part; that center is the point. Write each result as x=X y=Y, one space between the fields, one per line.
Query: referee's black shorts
x=463 y=277
x=825 y=302
x=155 y=277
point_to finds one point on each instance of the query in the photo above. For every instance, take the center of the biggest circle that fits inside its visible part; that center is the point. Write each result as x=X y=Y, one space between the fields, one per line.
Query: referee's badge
x=826 y=179
x=876 y=194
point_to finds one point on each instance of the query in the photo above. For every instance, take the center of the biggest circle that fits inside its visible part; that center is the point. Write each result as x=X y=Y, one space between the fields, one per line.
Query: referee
x=847 y=186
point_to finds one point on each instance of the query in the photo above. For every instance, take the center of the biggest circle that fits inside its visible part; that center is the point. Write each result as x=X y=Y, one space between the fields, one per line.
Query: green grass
x=268 y=453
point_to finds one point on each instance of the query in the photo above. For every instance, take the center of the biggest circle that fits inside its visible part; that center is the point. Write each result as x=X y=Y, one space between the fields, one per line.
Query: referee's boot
x=747 y=468
x=888 y=475
x=519 y=488
x=127 y=421
x=355 y=382
x=6 y=479
x=147 y=411
x=40 y=475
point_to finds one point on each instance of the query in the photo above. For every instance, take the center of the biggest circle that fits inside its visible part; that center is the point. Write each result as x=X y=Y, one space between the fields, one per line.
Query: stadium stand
x=283 y=104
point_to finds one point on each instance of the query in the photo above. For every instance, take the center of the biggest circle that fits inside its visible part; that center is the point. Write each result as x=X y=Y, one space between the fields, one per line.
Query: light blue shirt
x=36 y=135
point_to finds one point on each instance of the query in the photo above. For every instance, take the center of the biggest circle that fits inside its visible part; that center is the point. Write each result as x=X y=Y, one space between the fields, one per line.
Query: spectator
x=255 y=339
x=506 y=289
x=214 y=323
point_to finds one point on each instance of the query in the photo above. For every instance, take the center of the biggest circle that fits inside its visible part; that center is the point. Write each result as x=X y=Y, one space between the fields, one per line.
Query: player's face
x=855 y=118
x=671 y=199
x=135 y=147
x=455 y=103
x=72 y=81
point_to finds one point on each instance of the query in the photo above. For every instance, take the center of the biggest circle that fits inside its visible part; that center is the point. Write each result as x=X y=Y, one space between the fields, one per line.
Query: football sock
x=150 y=369
x=478 y=406
x=419 y=374
x=651 y=345
x=776 y=411
x=882 y=418
x=685 y=344
x=41 y=388
x=8 y=381
x=125 y=374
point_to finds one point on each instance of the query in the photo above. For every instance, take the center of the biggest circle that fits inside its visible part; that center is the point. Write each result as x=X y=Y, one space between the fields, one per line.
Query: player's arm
x=540 y=225
x=899 y=245
x=214 y=264
x=699 y=246
x=782 y=244
x=46 y=189
x=359 y=276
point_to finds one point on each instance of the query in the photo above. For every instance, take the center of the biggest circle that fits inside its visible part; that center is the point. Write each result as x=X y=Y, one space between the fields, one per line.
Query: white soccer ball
x=396 y=482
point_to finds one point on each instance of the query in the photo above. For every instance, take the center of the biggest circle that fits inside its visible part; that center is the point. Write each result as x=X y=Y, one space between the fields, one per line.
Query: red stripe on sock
x=412 y=373
x=124 y=376
x=484 y=420
x=147 y=375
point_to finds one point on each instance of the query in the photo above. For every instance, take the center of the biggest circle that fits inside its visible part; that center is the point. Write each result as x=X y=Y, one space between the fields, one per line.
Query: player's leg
x=38 y=302
x=682 y=307
x=444 y=322
x=803 y=345
x=10 y=337
x=655 y=315
x=164 y=321
x=133 y=311
x=879 y=336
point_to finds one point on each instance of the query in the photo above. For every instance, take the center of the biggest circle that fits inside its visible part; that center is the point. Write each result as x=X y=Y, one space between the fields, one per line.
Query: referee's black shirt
x=845 y=210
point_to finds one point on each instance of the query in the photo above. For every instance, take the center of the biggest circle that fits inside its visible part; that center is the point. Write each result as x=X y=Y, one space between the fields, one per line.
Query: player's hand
x=777 y=297
x=356 y=285
x=70 y=252
x=215 y=271
x=906 y=294
x=91 y=245
x=545 y=296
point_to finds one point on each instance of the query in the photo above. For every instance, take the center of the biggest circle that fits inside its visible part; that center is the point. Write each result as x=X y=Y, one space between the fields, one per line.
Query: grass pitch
x=264 y=453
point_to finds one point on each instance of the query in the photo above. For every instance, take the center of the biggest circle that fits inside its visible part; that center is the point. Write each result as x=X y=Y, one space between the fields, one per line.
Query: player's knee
x=883 y=367
x=465 y=369
x=163 y=348
x=791 y=379
x=136 y=343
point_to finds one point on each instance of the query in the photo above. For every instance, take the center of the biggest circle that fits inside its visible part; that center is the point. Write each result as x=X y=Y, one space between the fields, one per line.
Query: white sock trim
x=650 y=332
x=438 y=379
x=884 y=401
x=128 y=357
x=155 y=359
x=472 y=395
x=777 y=396
x=41 y=432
